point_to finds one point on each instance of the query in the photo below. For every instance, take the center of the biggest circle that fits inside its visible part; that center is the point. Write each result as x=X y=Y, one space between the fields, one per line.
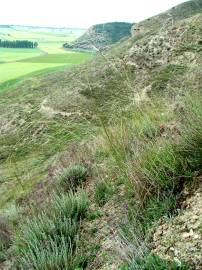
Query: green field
x=68 y=57
x=17 y=63
x=11 y=71
x=50 y=40
x=10 y=55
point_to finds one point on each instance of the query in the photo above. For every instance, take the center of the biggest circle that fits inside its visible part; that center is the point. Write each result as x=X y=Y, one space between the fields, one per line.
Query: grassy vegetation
x=24 y=161
x=167 y=74
x=155 y=167
x=15 y=177
x=154 y=171
x=50 y=240
x=191 y=144
x=103 y=192
x=14 y=70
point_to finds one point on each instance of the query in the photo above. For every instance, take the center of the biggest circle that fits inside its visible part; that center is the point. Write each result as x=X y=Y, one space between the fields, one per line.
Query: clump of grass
x=73 y=177
x=50 y=240
x=73 y=206
x=94 y=215
x=156 y=208
x=153 y=262
x=159 y=166
x=148 y=129
x=103 y=192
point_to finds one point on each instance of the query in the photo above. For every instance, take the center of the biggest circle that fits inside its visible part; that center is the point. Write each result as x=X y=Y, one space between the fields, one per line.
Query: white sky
x=79 y=13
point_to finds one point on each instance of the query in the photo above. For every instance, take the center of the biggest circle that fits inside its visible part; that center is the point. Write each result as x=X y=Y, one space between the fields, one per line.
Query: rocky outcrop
x=181 y=238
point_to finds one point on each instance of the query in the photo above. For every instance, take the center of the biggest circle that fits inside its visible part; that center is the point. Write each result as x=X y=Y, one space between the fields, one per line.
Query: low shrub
x=73 y=177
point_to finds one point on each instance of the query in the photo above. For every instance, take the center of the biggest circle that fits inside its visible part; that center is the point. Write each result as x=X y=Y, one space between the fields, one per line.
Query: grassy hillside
x=101 y=36
x=182 y=11
x=99 y=161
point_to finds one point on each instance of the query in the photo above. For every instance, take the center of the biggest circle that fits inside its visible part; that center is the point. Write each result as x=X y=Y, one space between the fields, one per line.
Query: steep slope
x=101 y=36
x=182 y=11
x=132 y=118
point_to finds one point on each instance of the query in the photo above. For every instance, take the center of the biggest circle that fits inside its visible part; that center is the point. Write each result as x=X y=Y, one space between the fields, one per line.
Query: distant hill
x=5 y=26
x=100 y=36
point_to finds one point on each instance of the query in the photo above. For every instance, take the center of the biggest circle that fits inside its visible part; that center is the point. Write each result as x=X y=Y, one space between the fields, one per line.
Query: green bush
x=103 y=191
x=49 y=241
x=73 y=177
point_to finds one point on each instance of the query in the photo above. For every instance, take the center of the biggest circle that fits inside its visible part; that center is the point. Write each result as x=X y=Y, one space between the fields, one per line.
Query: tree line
x=18 y=44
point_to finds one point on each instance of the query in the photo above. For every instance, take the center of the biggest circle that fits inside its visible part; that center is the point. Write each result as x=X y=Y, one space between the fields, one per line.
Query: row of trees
x=18 y=44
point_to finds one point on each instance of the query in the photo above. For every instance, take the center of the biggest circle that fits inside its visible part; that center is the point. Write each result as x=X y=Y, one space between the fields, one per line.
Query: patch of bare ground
x=181 y=237
x=104 y=231
x=49 y=112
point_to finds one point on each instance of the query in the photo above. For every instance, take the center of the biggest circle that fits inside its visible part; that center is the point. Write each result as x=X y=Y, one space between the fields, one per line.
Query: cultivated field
x=12 y=54
x=18 y=63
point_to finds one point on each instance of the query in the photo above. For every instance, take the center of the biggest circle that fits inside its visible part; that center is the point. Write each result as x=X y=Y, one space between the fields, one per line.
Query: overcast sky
x=79 y=13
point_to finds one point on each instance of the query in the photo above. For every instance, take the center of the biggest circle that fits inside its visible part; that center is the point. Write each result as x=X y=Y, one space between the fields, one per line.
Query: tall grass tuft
x=159 y=166
x=191 y=143
x=73 y=206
